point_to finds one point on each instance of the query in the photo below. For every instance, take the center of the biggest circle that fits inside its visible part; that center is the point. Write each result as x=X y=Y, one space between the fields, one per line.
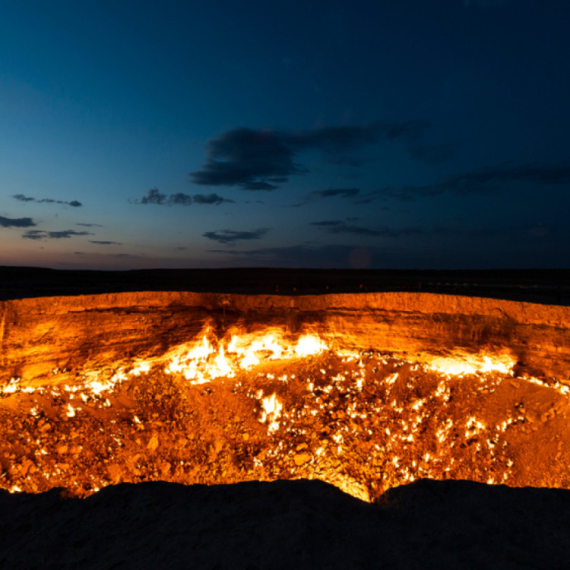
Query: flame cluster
x=211 y=359
x=269 y=405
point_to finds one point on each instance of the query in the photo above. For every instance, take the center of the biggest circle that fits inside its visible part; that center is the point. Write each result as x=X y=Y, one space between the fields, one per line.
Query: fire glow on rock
x=267 y=405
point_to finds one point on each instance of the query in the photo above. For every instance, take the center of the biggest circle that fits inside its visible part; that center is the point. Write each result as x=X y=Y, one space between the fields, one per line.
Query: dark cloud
x=34 y=234
x=248 y=158
x=40 y=234
x=263 y=159
x=210 y=199
x=90 y=225
x=98 y=242
x=484 y=181
x=78 y=253
x=22 y=198
x=231 y=236
x=179 y=199
x=340 y=227
x=16 y=222
x=154 y=196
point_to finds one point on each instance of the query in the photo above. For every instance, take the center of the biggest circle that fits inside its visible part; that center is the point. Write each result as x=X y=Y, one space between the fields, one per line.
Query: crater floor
x=364 y=421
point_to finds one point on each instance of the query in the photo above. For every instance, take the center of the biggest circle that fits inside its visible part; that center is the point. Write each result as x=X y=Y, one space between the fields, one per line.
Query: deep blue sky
x=212 y=133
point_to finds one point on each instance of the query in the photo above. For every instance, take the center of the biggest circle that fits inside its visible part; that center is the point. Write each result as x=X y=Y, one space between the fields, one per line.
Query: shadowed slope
x=287 y=524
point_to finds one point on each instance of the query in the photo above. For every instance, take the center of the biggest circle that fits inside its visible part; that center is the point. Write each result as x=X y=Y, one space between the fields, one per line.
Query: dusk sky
x=215 y=133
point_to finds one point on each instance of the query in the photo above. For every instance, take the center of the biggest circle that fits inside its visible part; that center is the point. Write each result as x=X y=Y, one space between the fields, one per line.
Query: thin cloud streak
x=360 y=256
x=340 y=227
x=484 y=181
x=323 y=256
x=65 y=234
x=353 y=195
x=232 y=236
x=22 y=198
x=336 y=192
x=156 y=197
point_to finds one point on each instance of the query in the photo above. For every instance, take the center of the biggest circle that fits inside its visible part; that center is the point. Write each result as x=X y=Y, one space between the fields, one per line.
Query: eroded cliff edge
x=75 y=334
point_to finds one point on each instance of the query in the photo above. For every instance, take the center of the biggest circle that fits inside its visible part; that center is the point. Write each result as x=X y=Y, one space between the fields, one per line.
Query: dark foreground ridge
x=287 y=525
x=548 y=286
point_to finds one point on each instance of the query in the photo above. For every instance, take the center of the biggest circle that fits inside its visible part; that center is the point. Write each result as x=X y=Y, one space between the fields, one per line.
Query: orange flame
x=461 y=363
x=202 y=362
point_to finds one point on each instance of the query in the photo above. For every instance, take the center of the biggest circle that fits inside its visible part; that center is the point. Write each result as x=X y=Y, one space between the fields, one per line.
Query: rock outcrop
x=74 y=334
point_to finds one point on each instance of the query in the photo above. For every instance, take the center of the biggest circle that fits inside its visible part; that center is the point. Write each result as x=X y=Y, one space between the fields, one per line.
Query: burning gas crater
x=266 y=405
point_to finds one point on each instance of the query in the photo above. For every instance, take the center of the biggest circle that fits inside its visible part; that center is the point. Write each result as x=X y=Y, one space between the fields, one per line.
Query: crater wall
x=74 y=334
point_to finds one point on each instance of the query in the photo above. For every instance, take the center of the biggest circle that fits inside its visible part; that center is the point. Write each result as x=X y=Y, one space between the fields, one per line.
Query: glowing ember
x=267 y=405
x=271 y=409
x=461 y=364
x=309 y=345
